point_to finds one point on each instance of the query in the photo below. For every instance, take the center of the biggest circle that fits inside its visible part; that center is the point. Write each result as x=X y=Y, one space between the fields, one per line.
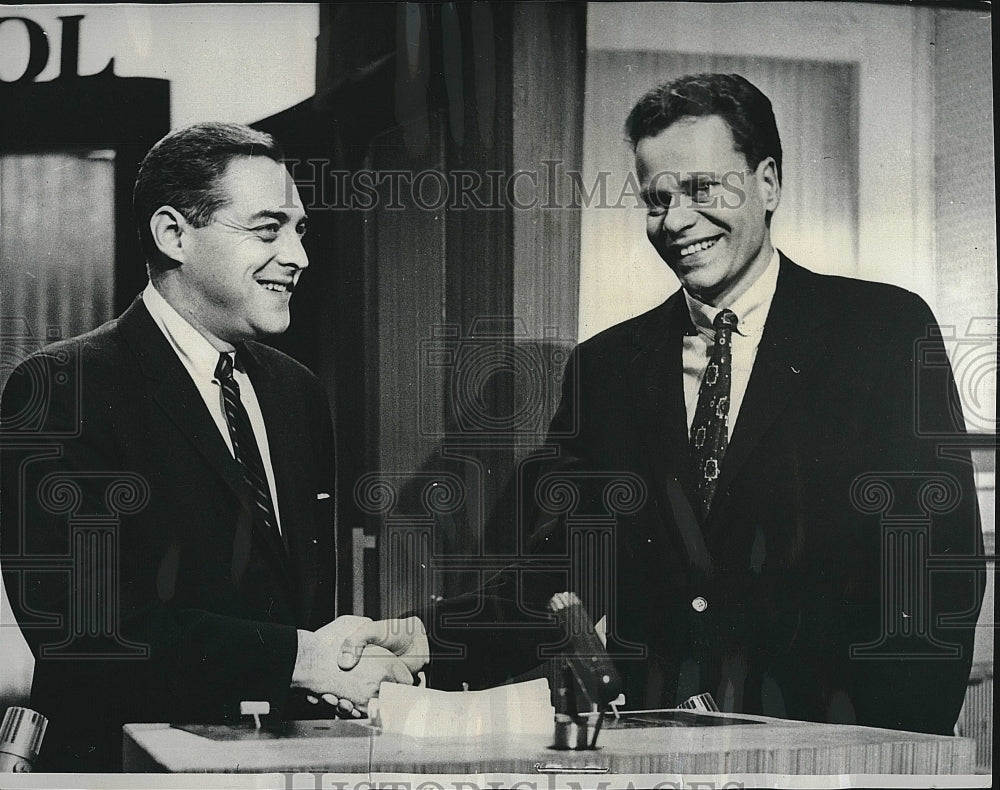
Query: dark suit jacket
x=173 y=607
x=790 y=561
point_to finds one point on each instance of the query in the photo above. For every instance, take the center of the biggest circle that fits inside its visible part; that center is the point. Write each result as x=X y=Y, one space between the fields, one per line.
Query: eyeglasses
x=704 y=190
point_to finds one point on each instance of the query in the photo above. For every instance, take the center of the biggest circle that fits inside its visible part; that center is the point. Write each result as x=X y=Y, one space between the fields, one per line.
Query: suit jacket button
x=699 y=604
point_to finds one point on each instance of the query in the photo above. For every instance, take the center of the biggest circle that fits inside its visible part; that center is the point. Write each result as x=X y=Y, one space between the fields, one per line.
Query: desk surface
x=766 y=746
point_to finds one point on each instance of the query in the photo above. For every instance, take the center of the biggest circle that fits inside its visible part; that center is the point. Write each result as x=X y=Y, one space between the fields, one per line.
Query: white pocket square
x=322 y=495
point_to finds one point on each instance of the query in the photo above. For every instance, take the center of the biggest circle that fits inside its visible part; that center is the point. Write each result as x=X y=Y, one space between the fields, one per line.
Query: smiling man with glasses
x=768 y=410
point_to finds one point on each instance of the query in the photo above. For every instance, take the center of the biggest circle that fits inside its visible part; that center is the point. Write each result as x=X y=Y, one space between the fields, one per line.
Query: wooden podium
x=725 y=745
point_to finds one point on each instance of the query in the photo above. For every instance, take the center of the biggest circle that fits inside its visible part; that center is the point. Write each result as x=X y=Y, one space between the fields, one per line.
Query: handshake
x=344 y=662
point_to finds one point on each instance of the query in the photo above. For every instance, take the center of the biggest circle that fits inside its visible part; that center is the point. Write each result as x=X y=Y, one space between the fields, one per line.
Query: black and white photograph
x=470 y=395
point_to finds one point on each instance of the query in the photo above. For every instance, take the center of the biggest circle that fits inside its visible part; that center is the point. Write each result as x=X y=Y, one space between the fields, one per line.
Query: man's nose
x=292 y=253
x=679 y=216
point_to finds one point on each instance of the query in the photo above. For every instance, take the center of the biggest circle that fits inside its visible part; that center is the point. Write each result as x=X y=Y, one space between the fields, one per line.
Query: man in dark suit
x=758 y=438
x=168 y=504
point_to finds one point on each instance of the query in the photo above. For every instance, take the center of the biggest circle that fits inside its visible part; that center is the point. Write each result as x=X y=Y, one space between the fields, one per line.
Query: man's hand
x=316 y=667
x=406 y=638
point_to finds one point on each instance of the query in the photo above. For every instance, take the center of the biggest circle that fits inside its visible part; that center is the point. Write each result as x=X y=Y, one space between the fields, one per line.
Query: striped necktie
x=710 y=426
x=245 y=446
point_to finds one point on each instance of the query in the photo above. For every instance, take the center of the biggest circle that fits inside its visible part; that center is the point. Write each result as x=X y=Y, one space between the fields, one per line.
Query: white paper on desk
x=517 y=709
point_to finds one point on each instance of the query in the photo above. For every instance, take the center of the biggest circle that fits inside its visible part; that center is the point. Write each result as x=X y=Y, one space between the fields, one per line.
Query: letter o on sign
x=38 y=48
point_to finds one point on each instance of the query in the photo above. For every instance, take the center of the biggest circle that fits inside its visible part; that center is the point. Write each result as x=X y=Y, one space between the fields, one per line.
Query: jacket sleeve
x=912 y=626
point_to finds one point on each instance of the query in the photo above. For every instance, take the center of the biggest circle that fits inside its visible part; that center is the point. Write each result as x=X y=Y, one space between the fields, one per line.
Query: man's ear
x=770 y=186
x=167 y=227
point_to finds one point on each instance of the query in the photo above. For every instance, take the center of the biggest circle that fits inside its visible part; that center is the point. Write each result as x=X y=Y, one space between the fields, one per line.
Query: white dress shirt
x=200 y=358
x=751 y=309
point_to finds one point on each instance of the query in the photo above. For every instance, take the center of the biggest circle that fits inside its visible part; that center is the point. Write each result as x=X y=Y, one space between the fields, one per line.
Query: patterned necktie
x=245 y=443
x=710 y=427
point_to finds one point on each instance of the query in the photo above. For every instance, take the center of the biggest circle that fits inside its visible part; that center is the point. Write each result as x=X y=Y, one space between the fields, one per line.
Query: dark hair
x=183 y=170
x=733 y=98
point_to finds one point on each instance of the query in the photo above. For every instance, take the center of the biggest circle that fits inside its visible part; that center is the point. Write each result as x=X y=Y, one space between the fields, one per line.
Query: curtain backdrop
x=57 y=242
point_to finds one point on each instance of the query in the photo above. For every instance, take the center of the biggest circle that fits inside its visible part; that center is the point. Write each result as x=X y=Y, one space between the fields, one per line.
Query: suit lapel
x=657 y=382
x=657 y=385
x=172 y=389
x=280 y=420
x=793 y=343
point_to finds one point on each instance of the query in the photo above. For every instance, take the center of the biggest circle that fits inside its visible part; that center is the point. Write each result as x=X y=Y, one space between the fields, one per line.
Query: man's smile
x=693 y=247
x=279 y=286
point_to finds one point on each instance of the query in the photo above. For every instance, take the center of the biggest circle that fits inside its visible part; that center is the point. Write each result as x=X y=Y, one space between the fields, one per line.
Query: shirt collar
x=751 y=308
x=191 y=346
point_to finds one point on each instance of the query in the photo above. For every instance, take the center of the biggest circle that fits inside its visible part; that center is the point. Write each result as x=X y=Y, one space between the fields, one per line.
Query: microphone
x=21 y=737
x=597 y=680
x=588 y=680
